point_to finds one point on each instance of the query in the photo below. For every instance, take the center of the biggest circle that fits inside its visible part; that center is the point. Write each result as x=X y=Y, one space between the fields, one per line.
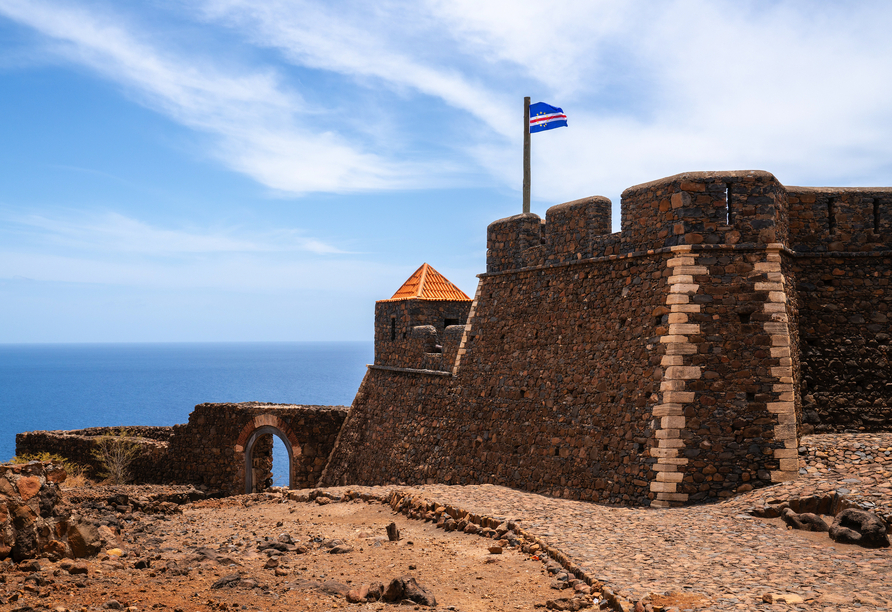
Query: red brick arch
x=259 y=421
x=260 y=425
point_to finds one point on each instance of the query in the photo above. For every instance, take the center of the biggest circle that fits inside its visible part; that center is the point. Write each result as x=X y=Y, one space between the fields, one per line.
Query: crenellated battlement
x=717 y=208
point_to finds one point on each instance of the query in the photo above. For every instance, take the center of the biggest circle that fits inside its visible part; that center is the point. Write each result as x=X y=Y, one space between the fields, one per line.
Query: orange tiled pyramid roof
x=428 y=284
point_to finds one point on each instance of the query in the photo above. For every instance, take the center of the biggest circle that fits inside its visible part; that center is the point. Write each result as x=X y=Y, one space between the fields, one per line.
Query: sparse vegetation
x=115 y=452
x=76 y=472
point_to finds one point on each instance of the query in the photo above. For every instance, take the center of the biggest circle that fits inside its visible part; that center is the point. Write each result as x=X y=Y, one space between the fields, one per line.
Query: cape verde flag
x=544 y=117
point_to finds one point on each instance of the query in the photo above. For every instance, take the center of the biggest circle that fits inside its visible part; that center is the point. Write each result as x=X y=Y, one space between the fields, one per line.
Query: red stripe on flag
x=546 y=118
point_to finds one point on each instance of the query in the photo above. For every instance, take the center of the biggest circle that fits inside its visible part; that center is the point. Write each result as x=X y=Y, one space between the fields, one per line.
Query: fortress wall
x=704 y=208
x=844 y=327
x=551 y=395
x=451 y=343
x=507 y=242
x=396 y=344
x=826 y=219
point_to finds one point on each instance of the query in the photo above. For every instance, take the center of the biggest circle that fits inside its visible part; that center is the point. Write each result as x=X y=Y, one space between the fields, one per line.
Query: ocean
x=71 y=386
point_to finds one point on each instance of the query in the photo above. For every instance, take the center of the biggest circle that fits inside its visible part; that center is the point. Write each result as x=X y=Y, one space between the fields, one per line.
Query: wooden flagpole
x=526 y=154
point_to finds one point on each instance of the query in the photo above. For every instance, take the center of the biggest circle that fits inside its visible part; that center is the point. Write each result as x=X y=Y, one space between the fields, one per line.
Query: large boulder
x=860 y=527
x=33 y=522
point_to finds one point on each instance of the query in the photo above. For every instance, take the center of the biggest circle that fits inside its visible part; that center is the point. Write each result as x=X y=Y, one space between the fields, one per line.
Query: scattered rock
x=569 y=603
x=805 y=521
x=787 y=598
x=405 y=587
x=229 y=580
x=860 y=527
x=341 y=549
x=84 y=539
x=393 y=533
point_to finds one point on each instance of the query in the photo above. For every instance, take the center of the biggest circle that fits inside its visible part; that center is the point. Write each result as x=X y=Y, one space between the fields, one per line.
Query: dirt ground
x=172 y=562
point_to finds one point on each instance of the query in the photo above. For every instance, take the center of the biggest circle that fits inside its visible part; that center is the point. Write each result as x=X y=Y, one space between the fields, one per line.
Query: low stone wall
x=78 y=446
x=210 y=449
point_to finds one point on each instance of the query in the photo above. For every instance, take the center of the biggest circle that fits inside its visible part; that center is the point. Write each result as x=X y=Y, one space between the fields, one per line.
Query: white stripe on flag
x=549 y=117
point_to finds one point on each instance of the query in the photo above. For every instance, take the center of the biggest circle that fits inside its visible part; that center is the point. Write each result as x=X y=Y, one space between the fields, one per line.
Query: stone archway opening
x=256 y=436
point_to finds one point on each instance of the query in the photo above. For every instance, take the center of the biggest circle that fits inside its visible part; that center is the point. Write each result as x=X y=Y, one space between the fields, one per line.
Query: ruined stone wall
x=209 y=449
x=78 y=446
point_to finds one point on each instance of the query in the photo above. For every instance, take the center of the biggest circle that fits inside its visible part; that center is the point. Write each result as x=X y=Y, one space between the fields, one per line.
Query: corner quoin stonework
x=679 y=372
x=674 y=362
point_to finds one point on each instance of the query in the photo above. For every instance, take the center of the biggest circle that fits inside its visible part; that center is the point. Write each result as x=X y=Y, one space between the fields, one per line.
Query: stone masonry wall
x=845 y=303
x=557 y=405
x=78 y=445
x=849 y=219
x=662 y=365
x=399 y=344
x=209 y=449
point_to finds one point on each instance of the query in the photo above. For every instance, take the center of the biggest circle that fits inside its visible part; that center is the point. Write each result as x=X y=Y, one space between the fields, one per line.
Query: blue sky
x=226 y=170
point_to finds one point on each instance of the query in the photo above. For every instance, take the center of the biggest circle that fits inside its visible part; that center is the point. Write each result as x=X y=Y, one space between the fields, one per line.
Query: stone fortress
x=676 y=361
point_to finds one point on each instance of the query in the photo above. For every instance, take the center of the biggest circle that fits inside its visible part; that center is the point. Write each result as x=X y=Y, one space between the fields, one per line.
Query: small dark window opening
x=750 y=397
x=658 y=320
x=876 y=216
x=448 y=322
x=831 y=215
x=392 y=330
x=729 y=217
x=557 y=452
x=744 y=317
x=605 y=447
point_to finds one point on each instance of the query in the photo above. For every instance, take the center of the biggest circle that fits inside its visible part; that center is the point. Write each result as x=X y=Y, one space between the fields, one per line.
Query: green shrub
x=115 y=452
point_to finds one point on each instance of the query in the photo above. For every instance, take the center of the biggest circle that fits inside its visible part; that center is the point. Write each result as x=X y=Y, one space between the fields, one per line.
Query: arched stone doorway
x=253 y=431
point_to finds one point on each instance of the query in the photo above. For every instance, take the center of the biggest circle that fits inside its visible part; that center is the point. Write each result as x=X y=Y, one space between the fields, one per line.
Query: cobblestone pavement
x=717 y=551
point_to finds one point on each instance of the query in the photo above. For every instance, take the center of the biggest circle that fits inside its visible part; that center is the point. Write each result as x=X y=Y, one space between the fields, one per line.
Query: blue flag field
x=545 y=117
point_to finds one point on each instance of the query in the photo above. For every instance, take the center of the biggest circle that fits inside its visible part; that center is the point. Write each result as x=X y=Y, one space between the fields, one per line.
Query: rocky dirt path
x=712 y=557
x=220 y=555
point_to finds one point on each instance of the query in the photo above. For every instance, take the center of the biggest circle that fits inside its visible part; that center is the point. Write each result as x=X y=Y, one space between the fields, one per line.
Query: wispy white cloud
x=792 y=87
x=116 y=234
x=259 y=125
x=389 y=42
